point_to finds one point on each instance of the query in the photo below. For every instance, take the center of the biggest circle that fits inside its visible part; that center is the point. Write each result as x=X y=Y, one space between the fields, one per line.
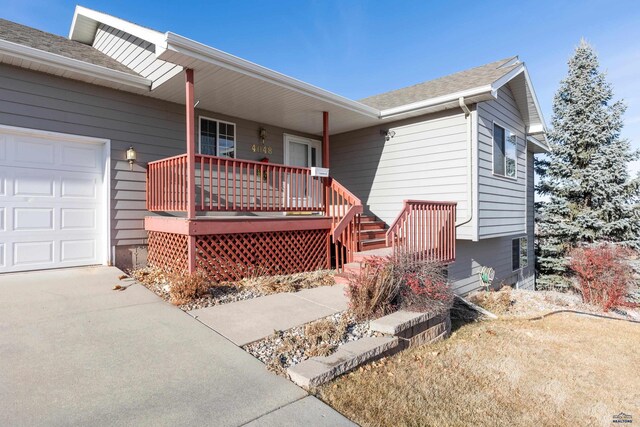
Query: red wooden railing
x=167 y=184
x=344 y=208
x=425 y=230
x=225 y=184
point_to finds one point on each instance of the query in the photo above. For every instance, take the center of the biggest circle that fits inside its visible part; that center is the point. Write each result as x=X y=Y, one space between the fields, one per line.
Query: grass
x=562 y=370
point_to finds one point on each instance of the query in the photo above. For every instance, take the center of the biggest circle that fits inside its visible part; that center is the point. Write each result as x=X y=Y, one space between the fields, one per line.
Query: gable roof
x=464 y=80
x=52 y=43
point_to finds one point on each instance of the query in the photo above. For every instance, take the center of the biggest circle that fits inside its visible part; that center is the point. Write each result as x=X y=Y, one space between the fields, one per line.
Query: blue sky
x=360 y=48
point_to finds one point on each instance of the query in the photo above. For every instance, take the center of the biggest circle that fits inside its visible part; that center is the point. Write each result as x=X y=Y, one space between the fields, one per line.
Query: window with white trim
x=505 y=144
x=217 y=138
x=519 y=253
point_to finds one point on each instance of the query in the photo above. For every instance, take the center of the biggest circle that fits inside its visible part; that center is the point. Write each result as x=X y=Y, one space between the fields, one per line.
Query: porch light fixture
x=263 y=134
x=131 y=157
x=388 y=134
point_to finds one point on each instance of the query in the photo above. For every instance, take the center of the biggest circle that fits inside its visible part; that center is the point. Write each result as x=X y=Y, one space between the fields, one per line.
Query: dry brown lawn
x=563 y=370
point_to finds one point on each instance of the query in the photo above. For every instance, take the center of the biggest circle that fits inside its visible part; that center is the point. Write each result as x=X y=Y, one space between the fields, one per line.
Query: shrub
x=385 y=284
x=373 y=291
x=423 y=284
x=185 y=287
x=602 y=274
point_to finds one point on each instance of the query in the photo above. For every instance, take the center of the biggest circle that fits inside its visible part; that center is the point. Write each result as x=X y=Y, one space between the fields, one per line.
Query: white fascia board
x=421 y=105
x=152 y=36
x=543 y=146
x=509 y=76
x=535 y=98
x=193 y=49
x=73 y=65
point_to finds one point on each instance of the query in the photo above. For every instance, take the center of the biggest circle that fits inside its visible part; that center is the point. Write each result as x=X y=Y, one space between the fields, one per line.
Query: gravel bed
x=526 y=303
x=159 y=282
x=287 y=348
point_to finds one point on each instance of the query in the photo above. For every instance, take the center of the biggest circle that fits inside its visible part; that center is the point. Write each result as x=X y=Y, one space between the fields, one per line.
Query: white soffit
x=233 y=86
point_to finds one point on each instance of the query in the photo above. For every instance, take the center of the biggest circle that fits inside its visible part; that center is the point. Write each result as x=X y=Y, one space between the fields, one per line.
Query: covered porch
x=233 y=218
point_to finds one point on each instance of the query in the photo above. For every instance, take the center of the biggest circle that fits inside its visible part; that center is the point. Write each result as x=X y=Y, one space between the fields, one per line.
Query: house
x=122 y=143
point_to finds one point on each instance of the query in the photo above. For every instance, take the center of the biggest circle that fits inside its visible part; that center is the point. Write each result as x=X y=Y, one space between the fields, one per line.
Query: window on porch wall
x=217 y=138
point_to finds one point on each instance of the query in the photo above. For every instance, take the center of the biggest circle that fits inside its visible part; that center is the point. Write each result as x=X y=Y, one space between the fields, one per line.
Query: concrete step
x=382 y=252
x=352 y=267
x=341 y=279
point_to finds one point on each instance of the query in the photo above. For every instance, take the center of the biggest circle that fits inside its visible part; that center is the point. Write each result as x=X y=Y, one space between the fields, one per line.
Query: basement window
x=519 y=253
x=217 y=138
x=505 y=146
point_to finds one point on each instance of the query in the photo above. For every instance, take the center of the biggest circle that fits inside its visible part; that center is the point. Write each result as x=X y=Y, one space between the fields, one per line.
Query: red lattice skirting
x=234 y=256
x=168 y=251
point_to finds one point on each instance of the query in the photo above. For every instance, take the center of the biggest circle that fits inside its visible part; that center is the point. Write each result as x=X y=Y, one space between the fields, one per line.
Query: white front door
x=52 y=201
x=301 y=152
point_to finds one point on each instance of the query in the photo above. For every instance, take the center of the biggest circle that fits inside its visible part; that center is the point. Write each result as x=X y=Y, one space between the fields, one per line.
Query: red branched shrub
x=602 y=274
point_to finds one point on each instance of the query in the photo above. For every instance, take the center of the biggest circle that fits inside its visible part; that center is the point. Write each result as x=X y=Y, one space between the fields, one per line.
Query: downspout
x=467 y=116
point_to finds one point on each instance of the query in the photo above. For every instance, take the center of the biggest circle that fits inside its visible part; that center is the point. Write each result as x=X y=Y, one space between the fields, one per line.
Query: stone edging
x=402 y=330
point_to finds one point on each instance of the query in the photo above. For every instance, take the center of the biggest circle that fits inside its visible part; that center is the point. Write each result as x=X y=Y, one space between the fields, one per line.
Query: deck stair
x=373 y=233
x=353 y=268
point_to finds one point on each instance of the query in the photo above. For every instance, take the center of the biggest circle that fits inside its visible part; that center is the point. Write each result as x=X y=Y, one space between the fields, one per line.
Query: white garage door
x=52 y=204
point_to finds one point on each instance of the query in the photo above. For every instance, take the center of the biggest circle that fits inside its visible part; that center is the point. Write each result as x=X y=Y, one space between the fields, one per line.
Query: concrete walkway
x=75 y=352
x=247 y=321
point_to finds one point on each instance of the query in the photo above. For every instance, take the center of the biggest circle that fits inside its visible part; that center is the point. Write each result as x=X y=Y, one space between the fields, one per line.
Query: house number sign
x=259 y=148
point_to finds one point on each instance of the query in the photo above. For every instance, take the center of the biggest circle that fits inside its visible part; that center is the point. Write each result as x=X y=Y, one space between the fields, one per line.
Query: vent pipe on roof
x=467 y=116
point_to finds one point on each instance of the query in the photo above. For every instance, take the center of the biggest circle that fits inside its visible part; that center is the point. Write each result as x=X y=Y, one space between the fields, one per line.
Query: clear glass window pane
x=510 y=154
x=298 y=154
x=208 y=137
x=515 y=254
x=524 y=258
x=498 y=150
x=226 y=141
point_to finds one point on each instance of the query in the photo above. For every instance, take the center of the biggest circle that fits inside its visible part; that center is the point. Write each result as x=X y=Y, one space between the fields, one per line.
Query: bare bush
x=185 y=287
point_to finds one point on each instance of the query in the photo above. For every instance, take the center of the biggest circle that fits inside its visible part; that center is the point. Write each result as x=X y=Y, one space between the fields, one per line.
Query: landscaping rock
x=319 y=370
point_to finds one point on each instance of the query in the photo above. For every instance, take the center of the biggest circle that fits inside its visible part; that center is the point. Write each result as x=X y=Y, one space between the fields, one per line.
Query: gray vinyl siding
x=494 y=253
x=501 y=201
x=425 y=160
x=156 y=129
x=133 y=52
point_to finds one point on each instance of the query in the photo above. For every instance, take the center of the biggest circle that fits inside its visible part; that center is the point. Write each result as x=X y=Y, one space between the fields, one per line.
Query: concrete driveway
x=75 y=352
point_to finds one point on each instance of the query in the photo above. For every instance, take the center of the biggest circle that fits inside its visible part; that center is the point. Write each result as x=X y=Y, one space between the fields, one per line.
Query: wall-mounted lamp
x=263 y=134
x=131 y=157
x=388 y=134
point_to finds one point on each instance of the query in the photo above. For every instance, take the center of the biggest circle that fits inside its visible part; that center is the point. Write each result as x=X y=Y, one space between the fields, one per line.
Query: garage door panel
x=34 y=151
x=77 y=250
x=33 y=219
x=86 y=188
x=35 y=185
x=38 y=253
x=78 y=219
x=87 y=157
x=52 y=200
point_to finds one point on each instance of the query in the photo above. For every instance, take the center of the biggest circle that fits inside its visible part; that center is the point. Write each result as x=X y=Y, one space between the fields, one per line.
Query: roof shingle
x=52 y=43
x=463 y=80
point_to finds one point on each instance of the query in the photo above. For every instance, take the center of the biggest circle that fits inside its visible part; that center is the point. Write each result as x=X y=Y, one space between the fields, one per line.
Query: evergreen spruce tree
x=591 y=197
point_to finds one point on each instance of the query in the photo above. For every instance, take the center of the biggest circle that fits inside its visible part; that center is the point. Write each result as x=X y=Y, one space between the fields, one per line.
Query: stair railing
x=344 y=209
x=425 y=230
